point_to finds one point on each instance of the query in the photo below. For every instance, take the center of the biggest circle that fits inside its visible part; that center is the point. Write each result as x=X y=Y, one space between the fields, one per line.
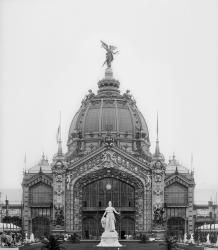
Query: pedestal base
x=109 y=239
x=57 y=230
x=160 y=234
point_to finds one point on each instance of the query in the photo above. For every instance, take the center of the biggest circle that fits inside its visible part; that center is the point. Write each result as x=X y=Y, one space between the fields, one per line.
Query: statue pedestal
x=57 y=230
x=159 y=232
x=109 y=239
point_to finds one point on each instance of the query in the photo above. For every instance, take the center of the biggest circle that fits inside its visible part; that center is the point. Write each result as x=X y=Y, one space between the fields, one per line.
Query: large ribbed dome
x=108 y=111
x=115 y=115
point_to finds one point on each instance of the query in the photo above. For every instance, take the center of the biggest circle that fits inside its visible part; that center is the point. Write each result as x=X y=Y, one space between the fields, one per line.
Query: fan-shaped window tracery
x=100 y=192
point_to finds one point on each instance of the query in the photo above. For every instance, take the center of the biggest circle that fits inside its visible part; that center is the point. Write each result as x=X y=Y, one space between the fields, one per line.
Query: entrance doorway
x=95 y=198
x=40 y=226
x=127 y=228
x=176 y=227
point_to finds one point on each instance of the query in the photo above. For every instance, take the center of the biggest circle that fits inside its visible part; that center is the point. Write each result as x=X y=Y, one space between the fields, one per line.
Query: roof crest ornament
x=157 y=149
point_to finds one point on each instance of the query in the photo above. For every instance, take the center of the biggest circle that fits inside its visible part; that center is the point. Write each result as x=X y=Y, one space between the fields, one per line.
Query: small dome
x=174 y=166
x=43 y=164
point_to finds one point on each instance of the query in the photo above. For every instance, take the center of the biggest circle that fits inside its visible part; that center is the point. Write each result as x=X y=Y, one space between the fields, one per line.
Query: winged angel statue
x=109 y=54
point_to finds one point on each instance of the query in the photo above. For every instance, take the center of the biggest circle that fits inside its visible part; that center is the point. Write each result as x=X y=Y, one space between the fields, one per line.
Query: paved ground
x=92 y=246
x=128 y=246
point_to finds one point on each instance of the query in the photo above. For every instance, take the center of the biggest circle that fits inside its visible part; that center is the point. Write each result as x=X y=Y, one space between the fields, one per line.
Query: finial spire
x=24 y=163
x=58 y=137
x=157 y=127
x=157 y=149
x=192 y=168
x=6 y=203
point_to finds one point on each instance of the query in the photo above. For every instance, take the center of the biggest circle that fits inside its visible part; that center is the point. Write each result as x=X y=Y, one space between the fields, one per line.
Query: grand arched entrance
x=88 y=196
x=95 y=197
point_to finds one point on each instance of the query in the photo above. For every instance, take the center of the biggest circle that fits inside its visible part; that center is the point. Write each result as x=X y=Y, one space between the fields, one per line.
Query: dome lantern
x=108 y=85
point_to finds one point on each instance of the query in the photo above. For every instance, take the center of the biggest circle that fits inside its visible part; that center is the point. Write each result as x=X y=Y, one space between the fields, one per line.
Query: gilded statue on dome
x=109 y=54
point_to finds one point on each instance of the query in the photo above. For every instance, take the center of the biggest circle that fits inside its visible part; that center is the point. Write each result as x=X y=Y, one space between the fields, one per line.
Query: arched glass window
x=100 y=192
x=40 y=194
x=176 y=194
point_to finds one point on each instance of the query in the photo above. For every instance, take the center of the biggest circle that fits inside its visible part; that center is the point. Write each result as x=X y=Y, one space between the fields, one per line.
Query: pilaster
x=59 y=184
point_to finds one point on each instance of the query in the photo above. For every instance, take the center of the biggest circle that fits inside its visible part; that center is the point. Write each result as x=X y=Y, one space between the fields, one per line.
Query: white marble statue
x=185 y=237
x=192 y=239
x=109 y=237
x=26 y=238
x=208 y=239
x=108 y=219
x=32 y=238
x=216 y=244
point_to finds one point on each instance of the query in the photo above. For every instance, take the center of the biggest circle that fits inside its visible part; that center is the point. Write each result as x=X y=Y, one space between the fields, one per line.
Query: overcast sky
x=50 y=55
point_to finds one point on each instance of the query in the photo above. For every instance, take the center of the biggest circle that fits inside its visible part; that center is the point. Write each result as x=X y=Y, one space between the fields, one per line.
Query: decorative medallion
x=108 y=186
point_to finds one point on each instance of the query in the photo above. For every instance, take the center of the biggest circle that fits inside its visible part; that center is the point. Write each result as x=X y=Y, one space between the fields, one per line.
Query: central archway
x=92 y=193
x=95 y=198
x=98 y=193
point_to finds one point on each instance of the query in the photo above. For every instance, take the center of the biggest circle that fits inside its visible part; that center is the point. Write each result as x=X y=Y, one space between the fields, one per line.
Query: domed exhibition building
x=108 y=158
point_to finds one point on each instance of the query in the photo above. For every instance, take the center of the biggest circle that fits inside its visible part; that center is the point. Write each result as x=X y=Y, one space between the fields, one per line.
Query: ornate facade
x=108 y=159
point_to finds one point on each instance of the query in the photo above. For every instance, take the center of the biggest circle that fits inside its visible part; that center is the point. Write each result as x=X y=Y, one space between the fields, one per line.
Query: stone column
x=185 y=225
x=147 y=209
x=26 y=209
x=59 y=183
x=140 y=210
x=158 y=176
x=190 y=209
